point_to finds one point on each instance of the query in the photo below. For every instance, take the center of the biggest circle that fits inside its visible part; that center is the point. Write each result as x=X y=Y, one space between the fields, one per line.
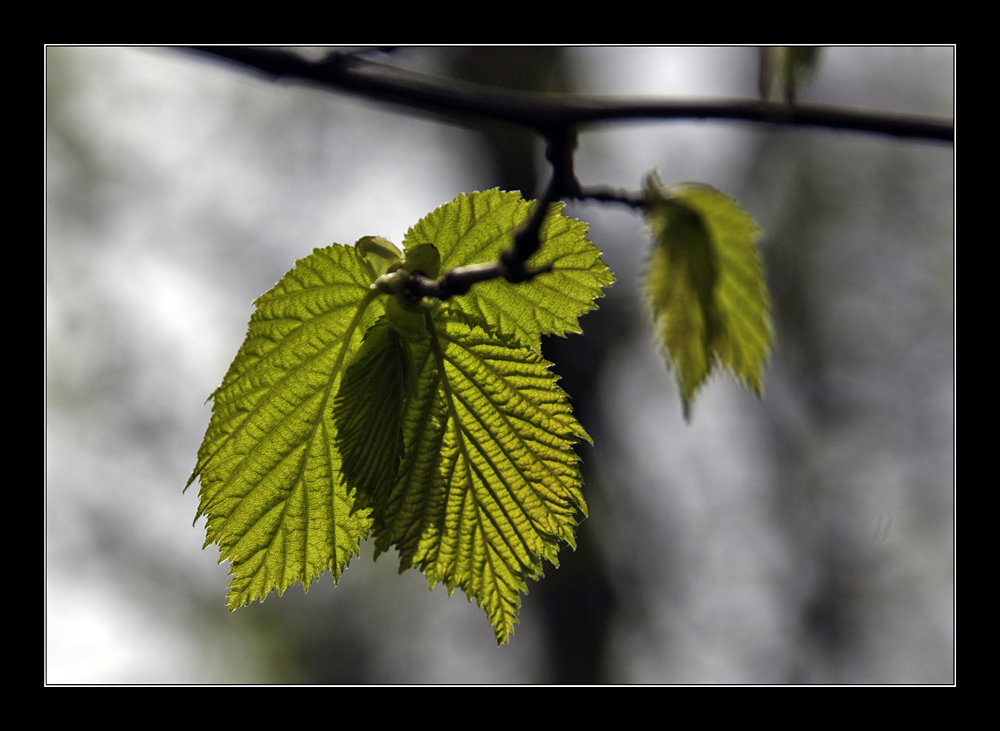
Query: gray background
x=807 y=538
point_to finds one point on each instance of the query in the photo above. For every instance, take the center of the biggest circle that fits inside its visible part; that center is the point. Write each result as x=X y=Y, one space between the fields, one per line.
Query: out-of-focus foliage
x=784 y=70
x=705 y=286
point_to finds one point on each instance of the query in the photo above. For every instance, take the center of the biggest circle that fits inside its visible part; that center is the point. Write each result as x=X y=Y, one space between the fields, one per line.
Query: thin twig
x=513 y=261
x=556 y=118
x=470 y=104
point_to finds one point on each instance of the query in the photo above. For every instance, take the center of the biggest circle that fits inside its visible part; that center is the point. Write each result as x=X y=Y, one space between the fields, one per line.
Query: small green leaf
x=478 y=227
x=376 y=254
x=423 y=258
x=705 y=286
x=784 y=70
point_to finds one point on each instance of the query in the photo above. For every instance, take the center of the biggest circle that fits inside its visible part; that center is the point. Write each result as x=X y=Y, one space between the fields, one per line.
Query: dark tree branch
x=468 y=103
x=556 y=119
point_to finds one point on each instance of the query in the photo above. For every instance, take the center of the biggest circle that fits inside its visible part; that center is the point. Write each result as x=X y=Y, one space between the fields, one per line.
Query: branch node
x=560 y=147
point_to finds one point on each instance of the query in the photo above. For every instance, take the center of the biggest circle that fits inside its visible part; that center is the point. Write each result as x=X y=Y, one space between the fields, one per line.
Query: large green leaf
x=705 y=286
x=272 y=489
x=478 y=227
x=490 y=486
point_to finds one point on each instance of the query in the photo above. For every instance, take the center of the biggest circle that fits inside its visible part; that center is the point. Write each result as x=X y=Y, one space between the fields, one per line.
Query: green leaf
x=375 y=255
x=784 y=70
x=705 y=286
x=350 y=409
x=478 y=227
x=367 y=412
x=272 y=488
x=490 y=484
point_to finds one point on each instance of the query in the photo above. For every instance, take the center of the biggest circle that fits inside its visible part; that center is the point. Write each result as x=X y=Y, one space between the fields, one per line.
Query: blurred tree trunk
x=578 y=597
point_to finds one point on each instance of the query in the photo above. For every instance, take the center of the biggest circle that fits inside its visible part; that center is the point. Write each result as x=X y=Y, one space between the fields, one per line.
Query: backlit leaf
x=478 y=227
x=705 y=286
x=350 y=410
x=490 y=484
x=272 y=487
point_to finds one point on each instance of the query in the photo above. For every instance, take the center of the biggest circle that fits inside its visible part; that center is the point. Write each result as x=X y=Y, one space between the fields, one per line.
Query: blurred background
x=804 y=538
